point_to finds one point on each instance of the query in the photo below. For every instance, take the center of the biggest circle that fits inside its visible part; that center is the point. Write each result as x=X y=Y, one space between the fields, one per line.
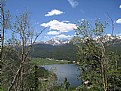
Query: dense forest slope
x=64 y=51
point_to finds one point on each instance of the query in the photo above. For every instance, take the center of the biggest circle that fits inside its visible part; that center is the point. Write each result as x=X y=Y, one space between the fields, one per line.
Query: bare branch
x=112 y=23
x=21 y=65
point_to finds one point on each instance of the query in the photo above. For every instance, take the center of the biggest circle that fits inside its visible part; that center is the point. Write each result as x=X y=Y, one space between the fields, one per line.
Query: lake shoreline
x=69 y=71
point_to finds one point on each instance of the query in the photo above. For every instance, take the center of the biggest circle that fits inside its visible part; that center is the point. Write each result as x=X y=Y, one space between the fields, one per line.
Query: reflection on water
x=71 y=71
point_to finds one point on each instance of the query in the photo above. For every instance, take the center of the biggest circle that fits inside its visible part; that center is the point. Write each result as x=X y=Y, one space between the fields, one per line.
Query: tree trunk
x=104 y=76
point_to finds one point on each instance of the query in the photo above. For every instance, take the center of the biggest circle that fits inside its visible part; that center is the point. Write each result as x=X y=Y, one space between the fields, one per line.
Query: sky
x=61 y=16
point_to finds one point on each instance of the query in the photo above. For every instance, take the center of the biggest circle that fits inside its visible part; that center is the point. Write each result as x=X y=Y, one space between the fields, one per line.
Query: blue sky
x=60 y=16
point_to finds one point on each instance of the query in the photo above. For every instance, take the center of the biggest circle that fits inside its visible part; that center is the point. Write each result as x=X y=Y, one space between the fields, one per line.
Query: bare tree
x=27 y=38
x=4 y=24
x=112 y=24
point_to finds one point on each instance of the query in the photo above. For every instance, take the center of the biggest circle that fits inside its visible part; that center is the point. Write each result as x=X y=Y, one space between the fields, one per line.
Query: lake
x=71 y=71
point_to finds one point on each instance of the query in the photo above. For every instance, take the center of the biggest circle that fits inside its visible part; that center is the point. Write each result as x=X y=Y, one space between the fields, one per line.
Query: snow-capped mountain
x=56 y=41
x=108 y=38
x=105 y=39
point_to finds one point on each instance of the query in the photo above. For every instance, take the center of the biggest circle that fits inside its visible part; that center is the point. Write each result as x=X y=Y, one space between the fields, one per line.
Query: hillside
x=65 y=51
x=115 y=46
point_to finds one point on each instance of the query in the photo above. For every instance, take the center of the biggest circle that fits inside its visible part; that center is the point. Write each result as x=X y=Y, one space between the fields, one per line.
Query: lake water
x=71 y=71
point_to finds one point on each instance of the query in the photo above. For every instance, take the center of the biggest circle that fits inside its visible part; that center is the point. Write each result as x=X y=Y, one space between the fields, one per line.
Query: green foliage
x=1 y=89
x=11 y=65
x=100 y=67
x=66 y=84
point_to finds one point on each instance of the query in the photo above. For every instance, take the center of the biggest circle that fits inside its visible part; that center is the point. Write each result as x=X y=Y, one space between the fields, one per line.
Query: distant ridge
x=65 y=50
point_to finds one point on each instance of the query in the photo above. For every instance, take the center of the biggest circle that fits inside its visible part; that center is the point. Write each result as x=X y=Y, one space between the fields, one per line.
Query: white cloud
x=53 y=33
x=60 y=26
x=118 y=21
x=73 y=3
x=120 y=6
x=54 y=12
x=62 y=36
x=66 y=21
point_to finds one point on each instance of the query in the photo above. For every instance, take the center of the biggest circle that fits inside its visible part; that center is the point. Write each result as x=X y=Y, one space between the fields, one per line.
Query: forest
x=98 y=56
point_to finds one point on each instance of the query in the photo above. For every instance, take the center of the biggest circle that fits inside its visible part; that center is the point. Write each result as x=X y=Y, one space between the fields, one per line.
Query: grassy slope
x=41 y=61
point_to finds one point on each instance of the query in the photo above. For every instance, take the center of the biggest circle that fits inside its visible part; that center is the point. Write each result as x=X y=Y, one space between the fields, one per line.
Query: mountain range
x=54 y=42
x=63 y=49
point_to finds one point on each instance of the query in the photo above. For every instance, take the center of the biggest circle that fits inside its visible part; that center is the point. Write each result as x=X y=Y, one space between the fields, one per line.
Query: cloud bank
x=59 y=25
x=73 y=3
x=53 y=33
x=54 y=12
